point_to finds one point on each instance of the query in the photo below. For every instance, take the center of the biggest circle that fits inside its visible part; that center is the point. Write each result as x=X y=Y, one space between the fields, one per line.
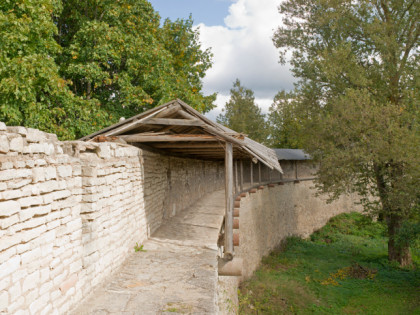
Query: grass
x=139 y=248
x=341 y=269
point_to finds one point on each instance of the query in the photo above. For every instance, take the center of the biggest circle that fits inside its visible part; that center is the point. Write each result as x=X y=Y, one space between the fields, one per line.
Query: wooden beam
x=242 y=175
x=189 y=145
x=186 y=115
x=236 y=176
x=169 y=111
x=173 y=121
x=252 y=175
x=197 y=149
x=133 y=124
x=228 y=250
x=128 y=120
x=167 y=138
x=259 y=173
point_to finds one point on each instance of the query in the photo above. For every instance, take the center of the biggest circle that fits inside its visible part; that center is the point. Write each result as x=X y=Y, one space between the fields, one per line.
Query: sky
x=239 y=33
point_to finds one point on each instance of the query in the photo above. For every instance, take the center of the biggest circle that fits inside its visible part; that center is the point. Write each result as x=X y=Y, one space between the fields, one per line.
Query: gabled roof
x=292 y=154
x=178 y=129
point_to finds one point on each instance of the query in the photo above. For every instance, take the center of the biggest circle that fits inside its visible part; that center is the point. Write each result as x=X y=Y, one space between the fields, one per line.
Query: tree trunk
x=397 y=251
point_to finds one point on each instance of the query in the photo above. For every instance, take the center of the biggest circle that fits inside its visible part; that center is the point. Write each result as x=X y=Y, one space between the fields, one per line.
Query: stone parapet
x=71 y=212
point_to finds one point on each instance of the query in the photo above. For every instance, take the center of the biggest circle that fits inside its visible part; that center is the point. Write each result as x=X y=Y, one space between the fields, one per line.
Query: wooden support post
x=236 y=177
x=228 y=254
x=296 y=172
x=269 y=175
x=252 y=175
x=259 y=173
x=242 y=176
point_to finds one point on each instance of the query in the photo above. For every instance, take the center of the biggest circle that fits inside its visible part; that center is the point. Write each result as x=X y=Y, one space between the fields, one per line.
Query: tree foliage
x=284 y=124
x=358 y=101
x=242 y=114
x=71 y=67
x=32 y=91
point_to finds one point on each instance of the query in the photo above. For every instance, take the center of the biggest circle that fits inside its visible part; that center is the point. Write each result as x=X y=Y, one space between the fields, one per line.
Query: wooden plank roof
x=178 y=129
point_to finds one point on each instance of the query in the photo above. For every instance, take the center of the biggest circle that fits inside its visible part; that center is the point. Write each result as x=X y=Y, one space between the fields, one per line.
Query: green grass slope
x=342 y=269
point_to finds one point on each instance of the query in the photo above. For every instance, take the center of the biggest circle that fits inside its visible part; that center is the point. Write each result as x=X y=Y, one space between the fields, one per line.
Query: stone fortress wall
x=270 y=215
x=71 y=212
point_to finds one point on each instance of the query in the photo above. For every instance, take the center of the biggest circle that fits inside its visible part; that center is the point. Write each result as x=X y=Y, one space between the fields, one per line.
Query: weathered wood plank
x=242 y=176
x=133 y=124
x=169 y=111
x=173 y=121
x=166 y=138
x=252 y=174
x=186 y=115
x=194 y=145
x=228 y=250
x=236 y=176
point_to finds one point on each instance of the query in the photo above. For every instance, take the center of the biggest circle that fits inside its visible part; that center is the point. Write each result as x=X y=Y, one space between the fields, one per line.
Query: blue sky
x=209 y=12
x=239 y=34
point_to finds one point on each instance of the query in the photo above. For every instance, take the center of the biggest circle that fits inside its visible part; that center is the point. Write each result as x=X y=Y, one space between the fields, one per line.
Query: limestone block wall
x=71 y=212
x=172 y=184
x=270 y=215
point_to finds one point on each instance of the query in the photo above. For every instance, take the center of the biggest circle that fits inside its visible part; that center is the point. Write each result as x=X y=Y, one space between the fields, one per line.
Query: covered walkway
x=176 y=273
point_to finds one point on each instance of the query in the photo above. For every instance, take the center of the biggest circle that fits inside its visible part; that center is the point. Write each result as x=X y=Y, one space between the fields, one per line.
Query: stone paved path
x=176 y=274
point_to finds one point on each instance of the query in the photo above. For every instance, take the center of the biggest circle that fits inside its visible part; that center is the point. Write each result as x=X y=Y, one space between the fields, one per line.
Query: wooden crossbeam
x=197 y=149
x=188 y=145
x=173 y=121
x=166 y=138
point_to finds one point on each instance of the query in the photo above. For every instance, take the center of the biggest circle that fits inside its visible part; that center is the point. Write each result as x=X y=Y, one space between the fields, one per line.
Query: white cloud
x=243 y=49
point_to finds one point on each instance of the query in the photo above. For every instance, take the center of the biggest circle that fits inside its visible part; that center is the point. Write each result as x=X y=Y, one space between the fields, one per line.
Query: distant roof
x=291 y=154
x=178 y=129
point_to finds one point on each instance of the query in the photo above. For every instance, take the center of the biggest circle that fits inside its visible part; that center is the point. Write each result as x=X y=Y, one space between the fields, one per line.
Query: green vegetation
x=139 y=248
x=72 y=67
x=357 y=103
x=283 y=125
x=242 y=114
x=342 y=269
x=179 y=308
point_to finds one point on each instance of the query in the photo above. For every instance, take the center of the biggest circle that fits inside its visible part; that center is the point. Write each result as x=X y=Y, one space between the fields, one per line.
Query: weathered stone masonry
x=70 y=213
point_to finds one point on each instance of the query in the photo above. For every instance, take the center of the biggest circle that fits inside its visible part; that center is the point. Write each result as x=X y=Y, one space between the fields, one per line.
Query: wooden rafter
x=172 y=121
x=188 y=145
x=177 y=128
x=166 y=138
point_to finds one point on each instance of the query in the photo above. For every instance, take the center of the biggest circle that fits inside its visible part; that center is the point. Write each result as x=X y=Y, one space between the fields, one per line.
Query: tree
x=359 y=101
x=283 y=122
x=32 y=92
x=117 y=53
x=72 y=67
x=190 y=63
x=243 y=115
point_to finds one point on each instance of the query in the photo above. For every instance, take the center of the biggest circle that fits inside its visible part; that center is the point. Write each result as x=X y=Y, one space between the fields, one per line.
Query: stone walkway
x=177 y=274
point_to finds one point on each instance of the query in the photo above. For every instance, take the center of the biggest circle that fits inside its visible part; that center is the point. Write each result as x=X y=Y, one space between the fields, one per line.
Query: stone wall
x=173 y=184
x=71 y=212
x=272 y=214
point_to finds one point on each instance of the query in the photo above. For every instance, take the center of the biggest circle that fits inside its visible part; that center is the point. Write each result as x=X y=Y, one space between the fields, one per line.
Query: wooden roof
x=177 y=129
